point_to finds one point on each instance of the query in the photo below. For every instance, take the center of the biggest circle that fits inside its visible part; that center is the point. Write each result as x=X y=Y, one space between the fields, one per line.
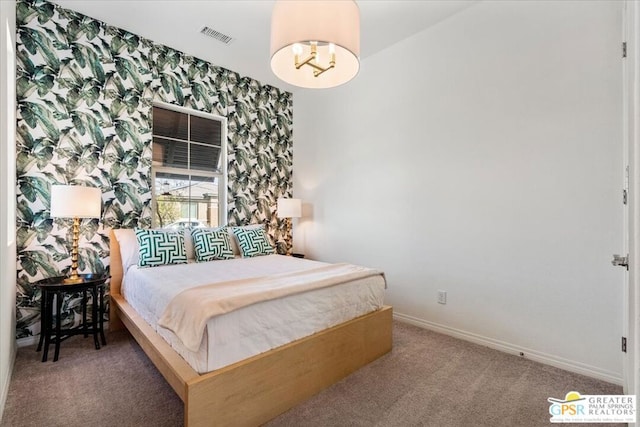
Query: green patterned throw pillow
x=160 y=247
x=211 y=244
x=253 y=241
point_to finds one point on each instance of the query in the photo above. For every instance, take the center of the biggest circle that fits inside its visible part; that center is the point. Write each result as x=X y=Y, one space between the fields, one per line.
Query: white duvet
x=256 y=328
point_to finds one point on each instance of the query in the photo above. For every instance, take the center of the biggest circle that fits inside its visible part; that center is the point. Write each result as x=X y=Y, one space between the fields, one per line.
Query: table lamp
x=289 y=208
x=75 y=201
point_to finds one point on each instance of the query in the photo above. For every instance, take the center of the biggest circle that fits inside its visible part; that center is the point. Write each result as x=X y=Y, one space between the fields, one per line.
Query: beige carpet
x=428 y=380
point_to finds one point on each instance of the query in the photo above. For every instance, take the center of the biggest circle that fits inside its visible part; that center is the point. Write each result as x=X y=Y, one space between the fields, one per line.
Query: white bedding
x=256 y=328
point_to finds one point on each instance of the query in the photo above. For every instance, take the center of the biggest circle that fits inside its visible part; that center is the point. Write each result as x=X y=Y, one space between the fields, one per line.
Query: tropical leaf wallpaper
x=85 y=91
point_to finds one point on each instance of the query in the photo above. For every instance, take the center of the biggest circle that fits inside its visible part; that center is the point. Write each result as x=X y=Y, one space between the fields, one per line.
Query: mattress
x=256 y=328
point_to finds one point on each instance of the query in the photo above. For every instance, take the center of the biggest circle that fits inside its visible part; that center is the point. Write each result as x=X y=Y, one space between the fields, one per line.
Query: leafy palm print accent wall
x=85 y=91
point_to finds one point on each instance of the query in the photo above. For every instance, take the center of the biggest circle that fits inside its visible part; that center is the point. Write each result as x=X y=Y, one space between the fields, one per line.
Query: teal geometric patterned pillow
x=160 y=247
x=253 y=241
x=211 y=244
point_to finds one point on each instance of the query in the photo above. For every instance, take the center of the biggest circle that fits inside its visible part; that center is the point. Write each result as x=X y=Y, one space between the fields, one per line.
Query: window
x=189 y=168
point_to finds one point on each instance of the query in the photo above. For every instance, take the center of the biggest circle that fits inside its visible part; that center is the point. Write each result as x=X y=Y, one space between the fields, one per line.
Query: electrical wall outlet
x=442 y=297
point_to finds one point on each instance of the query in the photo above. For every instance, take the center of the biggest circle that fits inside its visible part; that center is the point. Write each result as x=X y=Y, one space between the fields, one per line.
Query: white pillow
x=234 y=241
x=129 y=250
x=188 y=244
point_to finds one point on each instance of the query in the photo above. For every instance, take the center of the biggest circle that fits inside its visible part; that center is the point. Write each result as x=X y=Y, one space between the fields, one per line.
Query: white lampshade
x=301 y=22
x=289 y=208
x=75 y=201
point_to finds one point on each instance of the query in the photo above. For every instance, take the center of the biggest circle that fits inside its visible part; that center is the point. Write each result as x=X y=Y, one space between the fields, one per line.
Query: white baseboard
x=548 y=359
x=27 y=341
x=4 y=387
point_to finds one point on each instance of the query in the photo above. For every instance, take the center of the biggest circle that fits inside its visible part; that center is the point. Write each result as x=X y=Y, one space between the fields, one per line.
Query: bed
x=238 y=390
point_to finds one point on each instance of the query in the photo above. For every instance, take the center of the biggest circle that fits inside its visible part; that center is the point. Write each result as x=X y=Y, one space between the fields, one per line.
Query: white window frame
x=222 y=175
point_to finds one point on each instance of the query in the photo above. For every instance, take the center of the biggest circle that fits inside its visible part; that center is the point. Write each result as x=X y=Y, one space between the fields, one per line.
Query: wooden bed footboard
x=255 y=390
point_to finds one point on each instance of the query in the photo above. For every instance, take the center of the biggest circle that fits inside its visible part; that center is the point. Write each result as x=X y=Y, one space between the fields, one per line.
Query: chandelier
x=315 y=43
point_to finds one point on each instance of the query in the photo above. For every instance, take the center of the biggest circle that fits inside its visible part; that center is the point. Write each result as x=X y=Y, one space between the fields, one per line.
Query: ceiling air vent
x=216 y=35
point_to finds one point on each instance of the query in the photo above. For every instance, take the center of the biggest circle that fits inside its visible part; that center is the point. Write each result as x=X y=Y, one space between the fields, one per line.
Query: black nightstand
x=55 y=286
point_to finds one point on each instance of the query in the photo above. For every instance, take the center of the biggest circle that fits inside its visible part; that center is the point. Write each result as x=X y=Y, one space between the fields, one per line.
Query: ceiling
x=177 y=24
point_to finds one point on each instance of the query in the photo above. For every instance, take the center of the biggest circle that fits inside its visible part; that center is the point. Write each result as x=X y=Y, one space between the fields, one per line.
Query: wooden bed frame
x=255 y=390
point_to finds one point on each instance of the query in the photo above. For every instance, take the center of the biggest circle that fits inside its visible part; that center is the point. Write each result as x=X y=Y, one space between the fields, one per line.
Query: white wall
x=7 y=196
x=482 y=157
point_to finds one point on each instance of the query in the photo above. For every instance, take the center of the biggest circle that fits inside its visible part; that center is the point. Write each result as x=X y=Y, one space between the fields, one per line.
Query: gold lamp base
x=73 y=277
x=71 y=280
